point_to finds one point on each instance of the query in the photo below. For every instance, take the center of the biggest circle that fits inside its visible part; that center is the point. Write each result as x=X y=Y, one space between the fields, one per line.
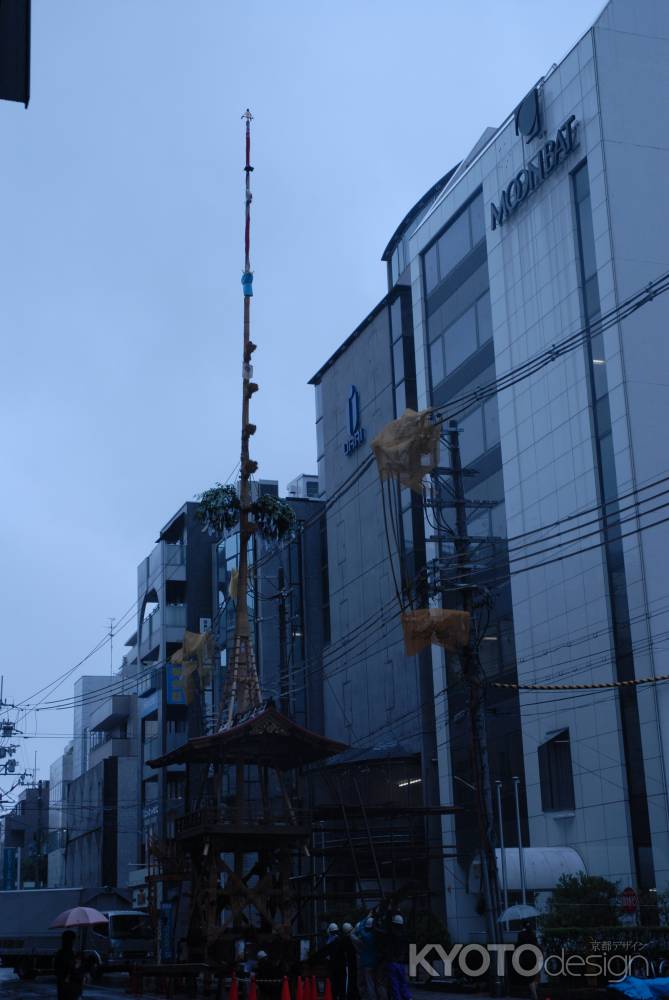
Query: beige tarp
x=195 y=654
x=408 y=448
x=449 y=629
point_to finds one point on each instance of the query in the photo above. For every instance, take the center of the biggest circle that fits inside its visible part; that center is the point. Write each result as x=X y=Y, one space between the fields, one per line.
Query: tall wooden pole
x=246 y=466
x=241 y=689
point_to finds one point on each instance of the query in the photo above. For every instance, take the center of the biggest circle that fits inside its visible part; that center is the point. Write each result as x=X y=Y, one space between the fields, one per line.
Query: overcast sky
x=121 y=214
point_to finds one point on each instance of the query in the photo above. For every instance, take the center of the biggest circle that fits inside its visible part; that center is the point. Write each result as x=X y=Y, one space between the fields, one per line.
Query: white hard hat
x=398 y=918
x=333 y=928
x=347 y=928
x=262 y=954
x=369 y=922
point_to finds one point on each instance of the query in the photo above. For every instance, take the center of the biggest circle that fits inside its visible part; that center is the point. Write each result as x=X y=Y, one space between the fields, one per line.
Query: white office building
x=549 y=225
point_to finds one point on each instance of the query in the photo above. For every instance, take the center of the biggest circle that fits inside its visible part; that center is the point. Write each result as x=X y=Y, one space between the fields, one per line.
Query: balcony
x=149 y=681
x=114 y=747
x=174 y=561
x=174 y=615
x=150 y=631
x=112 y=713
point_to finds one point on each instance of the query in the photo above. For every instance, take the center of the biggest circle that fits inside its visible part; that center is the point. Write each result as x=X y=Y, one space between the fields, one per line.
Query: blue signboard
x=175 y=689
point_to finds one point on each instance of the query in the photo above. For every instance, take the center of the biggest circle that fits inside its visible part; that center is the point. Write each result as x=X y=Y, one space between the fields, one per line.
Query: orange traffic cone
x=234 y=988
x=253 y=994
x=299 y=989
x=314 y=988
x=308 y=995
x=285 y=989
x=328 y=990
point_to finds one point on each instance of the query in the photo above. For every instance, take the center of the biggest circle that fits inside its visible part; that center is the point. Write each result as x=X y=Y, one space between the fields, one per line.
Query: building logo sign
x=528 y=116
x=532 y=176
x=355 y=431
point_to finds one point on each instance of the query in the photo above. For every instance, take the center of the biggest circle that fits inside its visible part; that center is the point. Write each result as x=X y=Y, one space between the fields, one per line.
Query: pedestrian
x=397 y=957
x=350 y=962
x=67 y=966
x=371 y=981
x=268 y=977
x=334 y=955
x=333 y=933
x=527 y=961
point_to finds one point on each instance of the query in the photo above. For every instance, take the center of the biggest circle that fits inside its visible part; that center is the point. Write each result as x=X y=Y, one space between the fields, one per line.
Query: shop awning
x=543 y=867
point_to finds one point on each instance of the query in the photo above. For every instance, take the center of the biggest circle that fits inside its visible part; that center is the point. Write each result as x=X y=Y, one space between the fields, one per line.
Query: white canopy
x=543 y=867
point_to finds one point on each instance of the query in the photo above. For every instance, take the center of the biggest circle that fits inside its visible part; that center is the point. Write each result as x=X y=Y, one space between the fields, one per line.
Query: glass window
x=472 y=439
x=320 y=438
x=318 y=393
x=591 y=297
x=581 y=183
x=398 y=359
x=393 y=267
x=431 y=269
x=603 y=411
x=555 y=774
x=491 y=421
x=454 y=244
x=609 y=484
x=436 y=323
x=499 y=520
x=479 y=523
x=407 y=528
x=437 y=361
x=477 y=216
x=587 y=238
x=484 y=319
x=489 y=655
x=599 y=366
x=460 y=340
x=410 y=393
x=400 y=398
x=396 y=319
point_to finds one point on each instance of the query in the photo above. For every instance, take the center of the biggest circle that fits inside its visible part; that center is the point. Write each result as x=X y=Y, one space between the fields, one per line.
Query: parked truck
x=28 y=946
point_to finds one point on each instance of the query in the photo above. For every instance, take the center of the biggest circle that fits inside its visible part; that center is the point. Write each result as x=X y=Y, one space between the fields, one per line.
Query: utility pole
x=111 y=646
x=473 y=677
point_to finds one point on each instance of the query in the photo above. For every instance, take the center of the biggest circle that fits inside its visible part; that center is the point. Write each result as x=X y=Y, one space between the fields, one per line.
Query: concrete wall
x=60 y=775
x=371 y=690
x=87 y=694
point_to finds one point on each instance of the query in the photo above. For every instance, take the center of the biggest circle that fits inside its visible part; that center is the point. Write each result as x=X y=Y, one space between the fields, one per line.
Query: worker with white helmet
x=333 y=955
x=397 y=956
x=371 y=982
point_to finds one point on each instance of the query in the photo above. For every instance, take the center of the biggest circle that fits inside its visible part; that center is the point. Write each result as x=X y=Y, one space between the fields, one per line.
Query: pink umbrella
x=79 y=916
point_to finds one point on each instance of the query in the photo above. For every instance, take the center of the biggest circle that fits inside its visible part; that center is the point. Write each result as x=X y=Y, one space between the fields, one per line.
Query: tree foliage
x=582 y=900
x=220 y=508
x=272 y=517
